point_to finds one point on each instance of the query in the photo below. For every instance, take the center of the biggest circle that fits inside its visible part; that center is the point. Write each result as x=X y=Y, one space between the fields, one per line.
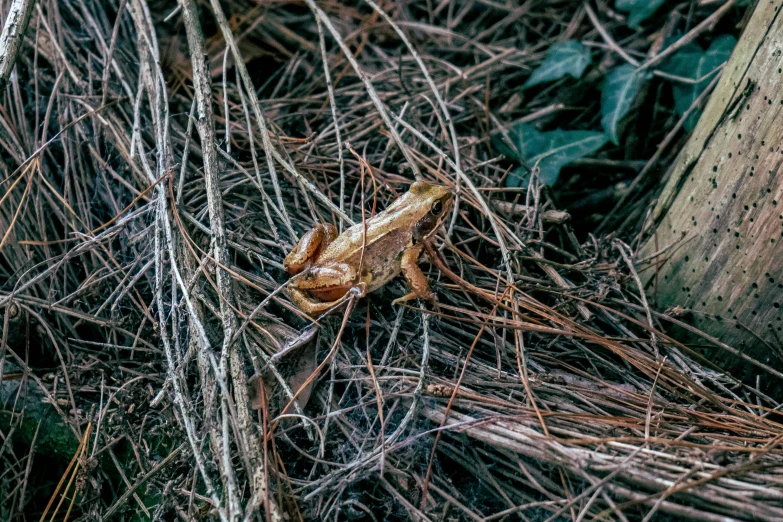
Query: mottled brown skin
x=368 y=255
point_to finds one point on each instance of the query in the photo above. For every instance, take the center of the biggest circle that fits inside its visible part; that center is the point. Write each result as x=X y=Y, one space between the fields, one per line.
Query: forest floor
x=159 y=160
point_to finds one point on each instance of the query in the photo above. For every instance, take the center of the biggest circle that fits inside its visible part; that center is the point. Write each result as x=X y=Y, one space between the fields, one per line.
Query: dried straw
x=144 y=260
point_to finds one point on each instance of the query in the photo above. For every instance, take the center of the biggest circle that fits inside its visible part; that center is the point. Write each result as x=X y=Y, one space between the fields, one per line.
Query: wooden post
x=716 y=246
x=12 y=36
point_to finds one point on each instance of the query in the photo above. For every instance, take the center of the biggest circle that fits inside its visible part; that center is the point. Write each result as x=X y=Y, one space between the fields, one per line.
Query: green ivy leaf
x=563 y=58
x=621 y=86
x=638 y=10
x=551 y=151
x=693 y=63
x=500 y=144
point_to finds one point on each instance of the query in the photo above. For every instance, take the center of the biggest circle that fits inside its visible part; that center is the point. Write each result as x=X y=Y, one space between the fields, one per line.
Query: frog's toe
x=308 y=305
x=403 y=299
x=359 y=289
x=428 y=296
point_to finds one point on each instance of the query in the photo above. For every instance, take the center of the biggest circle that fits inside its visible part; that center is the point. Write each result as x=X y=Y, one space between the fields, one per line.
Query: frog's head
x=433 y=203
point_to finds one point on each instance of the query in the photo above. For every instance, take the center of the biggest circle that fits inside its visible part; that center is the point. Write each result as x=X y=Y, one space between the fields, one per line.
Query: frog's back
x=348 y=245
x=383 y=250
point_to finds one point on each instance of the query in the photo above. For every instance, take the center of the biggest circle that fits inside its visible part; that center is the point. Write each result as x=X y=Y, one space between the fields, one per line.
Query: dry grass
x=144 y=225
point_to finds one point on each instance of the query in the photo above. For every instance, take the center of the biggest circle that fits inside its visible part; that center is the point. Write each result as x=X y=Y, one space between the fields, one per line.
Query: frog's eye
x=437 y=208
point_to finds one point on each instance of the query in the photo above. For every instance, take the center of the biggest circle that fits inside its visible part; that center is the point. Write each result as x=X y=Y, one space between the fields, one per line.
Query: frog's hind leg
x=328 y=282
x=314 y=303
x=309 y=247
x=311 y=307
x=320 y=288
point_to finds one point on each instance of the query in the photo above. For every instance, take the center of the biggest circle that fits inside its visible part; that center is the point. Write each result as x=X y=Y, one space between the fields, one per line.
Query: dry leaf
x=296 y=362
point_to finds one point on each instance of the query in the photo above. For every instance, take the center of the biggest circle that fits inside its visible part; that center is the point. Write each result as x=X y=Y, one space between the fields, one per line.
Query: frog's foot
x=407 y=297
x=358 y=290
x=309 y=247
x=314 y=306
x=310 y=306
x=431 y=297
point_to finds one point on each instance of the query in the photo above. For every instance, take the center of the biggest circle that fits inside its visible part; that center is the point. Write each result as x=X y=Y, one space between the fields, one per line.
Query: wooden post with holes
x=716 y=241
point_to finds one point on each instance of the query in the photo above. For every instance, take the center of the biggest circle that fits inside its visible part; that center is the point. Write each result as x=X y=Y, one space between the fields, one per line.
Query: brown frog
x=366 y=256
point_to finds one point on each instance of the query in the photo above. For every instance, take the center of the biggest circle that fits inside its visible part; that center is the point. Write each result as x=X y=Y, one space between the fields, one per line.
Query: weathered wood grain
x=719 y=219
x=12 y=36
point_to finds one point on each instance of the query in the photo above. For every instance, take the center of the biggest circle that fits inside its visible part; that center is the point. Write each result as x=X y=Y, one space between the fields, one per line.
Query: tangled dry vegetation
x=158 y=161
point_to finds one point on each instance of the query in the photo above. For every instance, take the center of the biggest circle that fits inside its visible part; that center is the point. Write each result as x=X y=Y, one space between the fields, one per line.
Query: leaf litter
x=146 y=329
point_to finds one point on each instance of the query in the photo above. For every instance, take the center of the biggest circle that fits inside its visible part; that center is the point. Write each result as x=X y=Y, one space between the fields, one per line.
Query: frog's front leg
x=306 y=251
x=415 y=277
x=321 y=287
